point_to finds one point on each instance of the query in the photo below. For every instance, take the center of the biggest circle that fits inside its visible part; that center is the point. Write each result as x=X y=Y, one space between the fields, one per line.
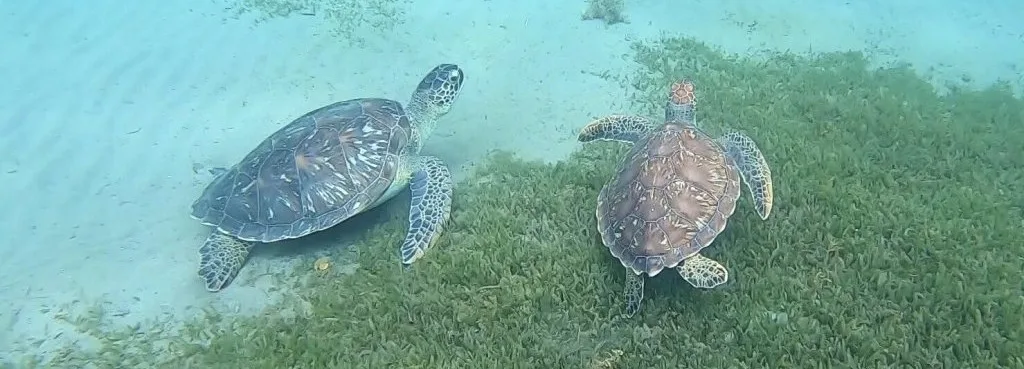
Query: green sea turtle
x=327 y=166
x=673 y=193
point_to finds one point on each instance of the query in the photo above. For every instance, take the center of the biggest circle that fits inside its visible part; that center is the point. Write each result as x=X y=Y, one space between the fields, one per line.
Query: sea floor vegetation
x=347 y=19
x=609 y=11
x=895 y=241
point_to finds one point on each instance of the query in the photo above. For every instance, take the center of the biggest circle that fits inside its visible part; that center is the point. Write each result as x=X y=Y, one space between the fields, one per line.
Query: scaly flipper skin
x=623 y=128
x=754 y=169
x=430 y=206
x=702 y=272
x=634 y=292
x=220 y=259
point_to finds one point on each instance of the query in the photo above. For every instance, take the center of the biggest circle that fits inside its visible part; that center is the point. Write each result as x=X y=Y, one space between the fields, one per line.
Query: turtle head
x=433 y=98
x=682 y=103
x=437 y=92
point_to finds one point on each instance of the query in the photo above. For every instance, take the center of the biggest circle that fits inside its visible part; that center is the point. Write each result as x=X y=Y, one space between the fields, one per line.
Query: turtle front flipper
x=622 y=128
x=754 y=169
x=702 y=272
x=220 y=259
x=634 y=292
x=430 y=206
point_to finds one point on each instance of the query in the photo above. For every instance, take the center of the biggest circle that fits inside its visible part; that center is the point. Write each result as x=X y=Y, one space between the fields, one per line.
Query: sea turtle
x=327 y=166
x=673 y=193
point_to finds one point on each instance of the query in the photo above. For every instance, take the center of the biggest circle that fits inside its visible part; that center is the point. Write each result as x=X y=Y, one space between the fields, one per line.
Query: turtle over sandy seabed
x=673 y=193
x=327 y=166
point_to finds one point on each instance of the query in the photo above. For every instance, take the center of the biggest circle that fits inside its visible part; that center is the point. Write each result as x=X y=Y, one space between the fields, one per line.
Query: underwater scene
x=494 y=184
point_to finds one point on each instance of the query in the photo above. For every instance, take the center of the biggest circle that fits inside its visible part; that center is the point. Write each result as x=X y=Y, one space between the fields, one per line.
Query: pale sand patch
x=106 y=111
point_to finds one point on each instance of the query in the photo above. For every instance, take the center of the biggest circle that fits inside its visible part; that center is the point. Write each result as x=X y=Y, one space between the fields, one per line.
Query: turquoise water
x=114 y=112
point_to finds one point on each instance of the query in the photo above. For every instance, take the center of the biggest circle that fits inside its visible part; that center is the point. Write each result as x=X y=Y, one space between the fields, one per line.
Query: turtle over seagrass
x=673 y=193
x=327 y=166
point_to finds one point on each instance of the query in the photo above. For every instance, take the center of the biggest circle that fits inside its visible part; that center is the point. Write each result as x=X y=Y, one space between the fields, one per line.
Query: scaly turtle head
x=433 y=98
x=681 y=107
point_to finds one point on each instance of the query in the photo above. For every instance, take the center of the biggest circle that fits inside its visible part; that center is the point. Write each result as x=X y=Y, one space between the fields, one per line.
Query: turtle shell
x=313 y=173
x=670 y=197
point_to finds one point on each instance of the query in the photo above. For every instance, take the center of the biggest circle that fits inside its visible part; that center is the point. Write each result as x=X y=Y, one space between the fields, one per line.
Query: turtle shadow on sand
x=339 y=238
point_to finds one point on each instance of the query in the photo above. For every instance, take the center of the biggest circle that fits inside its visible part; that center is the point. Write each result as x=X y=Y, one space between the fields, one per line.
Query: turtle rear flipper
x=754 y=169
x=634 y=292
x=220 y=259
x=430 y=206
x=702 y=272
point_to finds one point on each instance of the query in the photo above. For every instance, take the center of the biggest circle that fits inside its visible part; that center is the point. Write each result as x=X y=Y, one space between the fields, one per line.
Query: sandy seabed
x=111 y=109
